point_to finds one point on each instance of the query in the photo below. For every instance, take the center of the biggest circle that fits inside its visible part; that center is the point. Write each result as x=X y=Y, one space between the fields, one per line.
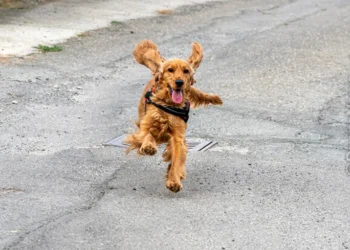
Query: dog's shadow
x=147 y=180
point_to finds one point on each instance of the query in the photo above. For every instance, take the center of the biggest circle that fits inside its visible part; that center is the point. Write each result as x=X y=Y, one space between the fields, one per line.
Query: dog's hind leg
x=134 y=141
x=167 y=153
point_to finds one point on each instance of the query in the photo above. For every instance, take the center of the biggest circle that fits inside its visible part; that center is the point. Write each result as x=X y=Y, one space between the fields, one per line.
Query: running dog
x=164 y=108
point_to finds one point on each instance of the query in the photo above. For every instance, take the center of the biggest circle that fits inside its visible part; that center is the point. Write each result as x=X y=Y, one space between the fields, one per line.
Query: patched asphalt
x=278 y=178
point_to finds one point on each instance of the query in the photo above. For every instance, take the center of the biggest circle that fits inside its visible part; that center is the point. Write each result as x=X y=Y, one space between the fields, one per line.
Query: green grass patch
x=44 y=48
x=116 y=22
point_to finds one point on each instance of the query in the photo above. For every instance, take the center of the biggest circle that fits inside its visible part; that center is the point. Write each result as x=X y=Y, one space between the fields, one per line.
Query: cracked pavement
x=276 y=180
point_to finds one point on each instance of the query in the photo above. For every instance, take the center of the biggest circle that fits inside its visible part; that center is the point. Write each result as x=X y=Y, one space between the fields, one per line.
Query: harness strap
x=182 y=113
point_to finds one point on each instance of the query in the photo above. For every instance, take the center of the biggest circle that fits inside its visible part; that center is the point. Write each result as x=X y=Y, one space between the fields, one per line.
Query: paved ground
x=54 y=22
x=277 y=179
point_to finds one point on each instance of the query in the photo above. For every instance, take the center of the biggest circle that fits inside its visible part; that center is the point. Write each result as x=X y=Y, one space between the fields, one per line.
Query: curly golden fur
x=173 y=83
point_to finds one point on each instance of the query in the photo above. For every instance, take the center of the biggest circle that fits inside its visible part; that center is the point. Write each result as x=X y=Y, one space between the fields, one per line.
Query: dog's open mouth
x=176 y=95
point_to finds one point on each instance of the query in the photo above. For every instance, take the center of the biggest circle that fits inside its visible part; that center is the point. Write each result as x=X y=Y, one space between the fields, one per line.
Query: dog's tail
x=134 y=141
x=146 y=53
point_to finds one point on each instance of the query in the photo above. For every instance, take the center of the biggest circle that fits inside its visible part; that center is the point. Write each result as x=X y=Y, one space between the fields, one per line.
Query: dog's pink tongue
x=177 y=96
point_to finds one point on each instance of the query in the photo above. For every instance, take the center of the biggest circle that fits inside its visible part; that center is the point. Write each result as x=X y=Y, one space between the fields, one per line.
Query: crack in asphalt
x=103 y=187
x=199 y=29
x=187 y=33
x=322 y=116
x=273 y=140
x=109 y=65
x=102 y=190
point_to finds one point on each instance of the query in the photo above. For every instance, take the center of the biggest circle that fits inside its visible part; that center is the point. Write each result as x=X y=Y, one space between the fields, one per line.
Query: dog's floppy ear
x=146 y=53
x=196 y=57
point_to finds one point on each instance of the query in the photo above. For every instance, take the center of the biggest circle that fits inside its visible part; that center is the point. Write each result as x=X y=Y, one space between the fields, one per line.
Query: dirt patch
x=164 y=12
x=21 y=4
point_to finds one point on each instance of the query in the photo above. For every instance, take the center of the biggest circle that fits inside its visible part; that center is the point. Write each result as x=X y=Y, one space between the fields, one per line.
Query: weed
x=116 y=22
x=44 y=48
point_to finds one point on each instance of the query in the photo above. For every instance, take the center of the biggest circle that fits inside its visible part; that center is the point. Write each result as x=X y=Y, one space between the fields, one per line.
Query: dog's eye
x=186 y=71
x=170 y=70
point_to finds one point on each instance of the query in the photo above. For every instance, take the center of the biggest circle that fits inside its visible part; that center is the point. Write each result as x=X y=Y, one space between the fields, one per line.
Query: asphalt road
x=276 y=180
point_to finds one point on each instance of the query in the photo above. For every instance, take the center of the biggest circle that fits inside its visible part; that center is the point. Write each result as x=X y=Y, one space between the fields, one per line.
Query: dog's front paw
x=148 y=149
x=216 y=100
x=173 y=185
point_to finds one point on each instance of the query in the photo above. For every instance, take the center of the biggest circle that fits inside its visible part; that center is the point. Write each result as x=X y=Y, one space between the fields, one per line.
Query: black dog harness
x=182 y=113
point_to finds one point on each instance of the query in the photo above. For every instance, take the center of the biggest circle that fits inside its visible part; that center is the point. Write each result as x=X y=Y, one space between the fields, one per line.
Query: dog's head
x=173 y=77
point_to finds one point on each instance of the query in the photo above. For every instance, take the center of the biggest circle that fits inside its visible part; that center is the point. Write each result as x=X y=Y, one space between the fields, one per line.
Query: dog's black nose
x=179 y=83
